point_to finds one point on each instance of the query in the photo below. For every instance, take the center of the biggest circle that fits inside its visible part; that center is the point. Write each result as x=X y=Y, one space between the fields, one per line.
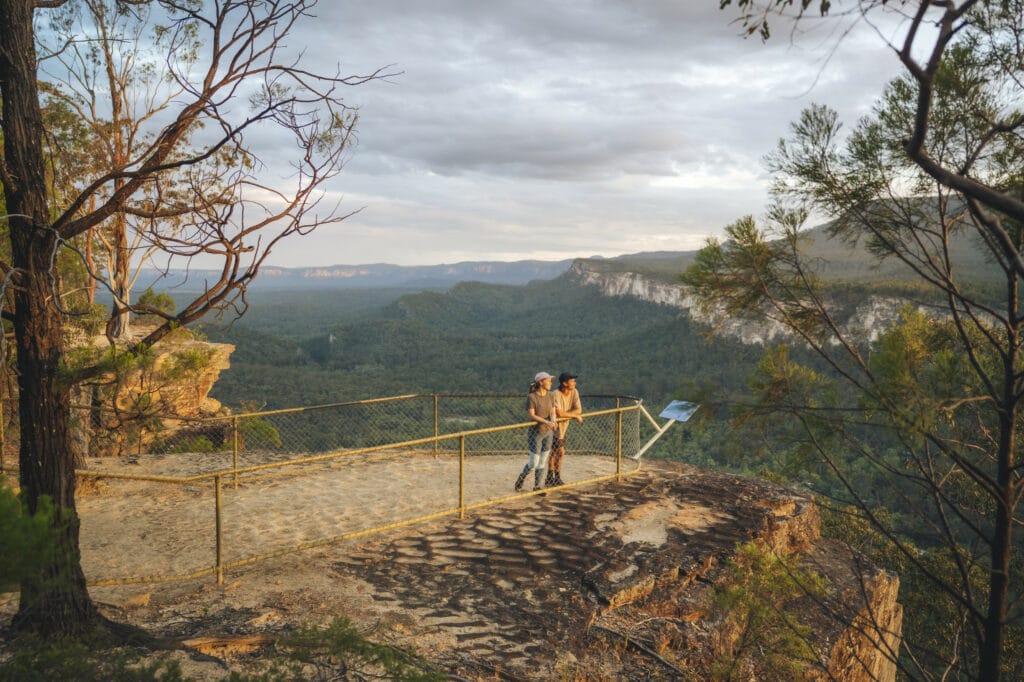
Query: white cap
x=541 y=376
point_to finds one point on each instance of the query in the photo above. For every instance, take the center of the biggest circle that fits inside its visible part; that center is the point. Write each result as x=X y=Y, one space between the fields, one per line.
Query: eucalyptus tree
x=241 y=84
x=937 y=163
x=106 y=64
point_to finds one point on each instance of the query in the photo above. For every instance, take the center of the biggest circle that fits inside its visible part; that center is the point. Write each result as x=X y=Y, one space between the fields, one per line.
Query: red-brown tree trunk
x=54 y=600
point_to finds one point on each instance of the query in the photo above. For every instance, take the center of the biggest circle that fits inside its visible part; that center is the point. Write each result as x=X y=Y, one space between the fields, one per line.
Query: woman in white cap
x=540 y=406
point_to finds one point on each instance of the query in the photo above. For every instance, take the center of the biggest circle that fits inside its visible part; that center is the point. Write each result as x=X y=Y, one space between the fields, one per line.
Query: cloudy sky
x=550 y=130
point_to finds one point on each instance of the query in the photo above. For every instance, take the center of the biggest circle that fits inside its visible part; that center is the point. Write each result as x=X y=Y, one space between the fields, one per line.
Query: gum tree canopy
x=930 y=180
x=192 y=181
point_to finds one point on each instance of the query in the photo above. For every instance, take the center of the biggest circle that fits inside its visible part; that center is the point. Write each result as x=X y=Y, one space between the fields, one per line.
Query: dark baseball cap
x=565 y=376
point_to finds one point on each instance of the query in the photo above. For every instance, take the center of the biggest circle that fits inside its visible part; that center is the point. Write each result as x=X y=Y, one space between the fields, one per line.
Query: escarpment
x=865 y=320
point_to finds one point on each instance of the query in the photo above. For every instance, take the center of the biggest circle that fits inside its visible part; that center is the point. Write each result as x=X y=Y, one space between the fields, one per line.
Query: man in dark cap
x=567 y=402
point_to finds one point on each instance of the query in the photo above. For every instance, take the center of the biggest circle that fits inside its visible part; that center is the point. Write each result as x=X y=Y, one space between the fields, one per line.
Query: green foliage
x=759 y=275
x=26 y=541
x=259 y=433
x=336 y=651
x=339 y=650
x=779 y=381
x=197 y=444
x=161 y=301
x=91 y=318
x=474 y=338
x=187 y=363
x=934 y=616
x=37 y=660
x=757 y=599
x=924 y=422
x=112 y=360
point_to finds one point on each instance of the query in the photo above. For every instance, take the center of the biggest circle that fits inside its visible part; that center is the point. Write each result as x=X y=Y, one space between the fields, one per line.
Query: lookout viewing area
x=399 y=512
x=261 y=484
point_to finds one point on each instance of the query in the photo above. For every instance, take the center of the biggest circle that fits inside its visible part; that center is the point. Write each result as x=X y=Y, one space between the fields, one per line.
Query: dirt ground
x=142 y=529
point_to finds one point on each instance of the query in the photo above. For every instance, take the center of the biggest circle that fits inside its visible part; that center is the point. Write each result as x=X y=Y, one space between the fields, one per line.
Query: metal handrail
x=217 y=477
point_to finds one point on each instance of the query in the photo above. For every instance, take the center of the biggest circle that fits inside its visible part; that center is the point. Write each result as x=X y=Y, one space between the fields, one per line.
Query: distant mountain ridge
x=376 y=275
x=837 y=262
x=834 y=259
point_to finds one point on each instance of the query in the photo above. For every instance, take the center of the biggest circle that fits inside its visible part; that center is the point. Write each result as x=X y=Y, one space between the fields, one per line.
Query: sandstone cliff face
x=155 y=400
x=866 y=322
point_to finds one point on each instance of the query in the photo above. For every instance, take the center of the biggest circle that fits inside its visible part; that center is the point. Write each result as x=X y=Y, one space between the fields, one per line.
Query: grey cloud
x=613 y=123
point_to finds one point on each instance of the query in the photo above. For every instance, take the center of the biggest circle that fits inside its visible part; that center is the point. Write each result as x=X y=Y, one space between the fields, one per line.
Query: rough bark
x=56 y=599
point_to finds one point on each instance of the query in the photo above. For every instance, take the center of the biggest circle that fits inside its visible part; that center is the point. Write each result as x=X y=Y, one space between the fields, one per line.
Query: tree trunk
x=54 y=600
x=121 y=277
x=991 y=654
x=89 y=260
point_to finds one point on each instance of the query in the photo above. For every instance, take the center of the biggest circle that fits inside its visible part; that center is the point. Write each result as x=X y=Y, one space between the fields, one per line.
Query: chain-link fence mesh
x=309 y=459
x=280 y=435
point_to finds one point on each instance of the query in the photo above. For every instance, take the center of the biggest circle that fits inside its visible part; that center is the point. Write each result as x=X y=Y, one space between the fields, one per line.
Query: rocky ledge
x=618 y=581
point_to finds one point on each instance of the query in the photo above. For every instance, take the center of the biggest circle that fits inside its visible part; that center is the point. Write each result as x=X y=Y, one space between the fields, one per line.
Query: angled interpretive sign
x=675 y=411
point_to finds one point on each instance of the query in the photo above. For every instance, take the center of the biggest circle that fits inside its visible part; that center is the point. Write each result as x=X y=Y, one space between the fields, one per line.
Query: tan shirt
x=544 y=407
x=566 y=403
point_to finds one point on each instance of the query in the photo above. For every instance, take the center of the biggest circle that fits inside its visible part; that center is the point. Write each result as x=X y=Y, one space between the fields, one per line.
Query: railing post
x=462 y=476
x=219 y=564
x=234 y=450
x=618 y=444
x=437 y=431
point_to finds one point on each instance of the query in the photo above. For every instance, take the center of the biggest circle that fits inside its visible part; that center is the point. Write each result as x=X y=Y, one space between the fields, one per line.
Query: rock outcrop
x=622 y=580
x=865 y=321
x=156 y=398
x=621 y=583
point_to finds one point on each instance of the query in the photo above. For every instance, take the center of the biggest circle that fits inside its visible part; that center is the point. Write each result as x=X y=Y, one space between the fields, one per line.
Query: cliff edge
x=618 y=581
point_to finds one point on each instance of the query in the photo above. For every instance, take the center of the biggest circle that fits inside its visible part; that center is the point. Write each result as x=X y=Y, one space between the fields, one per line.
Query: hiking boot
x=558 y=479
x=538 y=487
x=519 y=483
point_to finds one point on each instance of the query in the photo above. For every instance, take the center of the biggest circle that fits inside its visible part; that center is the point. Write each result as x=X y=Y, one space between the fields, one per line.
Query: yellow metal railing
x=382 y=451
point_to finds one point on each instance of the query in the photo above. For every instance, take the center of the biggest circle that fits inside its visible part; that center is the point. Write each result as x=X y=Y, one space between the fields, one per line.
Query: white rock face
x=866 y=322
x=633 y=284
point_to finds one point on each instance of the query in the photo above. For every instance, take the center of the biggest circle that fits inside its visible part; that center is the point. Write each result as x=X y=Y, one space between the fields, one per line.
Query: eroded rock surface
x=540 y=587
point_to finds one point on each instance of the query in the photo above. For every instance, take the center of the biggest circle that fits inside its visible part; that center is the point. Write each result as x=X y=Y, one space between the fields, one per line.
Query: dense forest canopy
x=472 y=338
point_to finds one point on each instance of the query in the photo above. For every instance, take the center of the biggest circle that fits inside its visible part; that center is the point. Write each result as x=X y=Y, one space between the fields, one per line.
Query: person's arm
x=540 y=420
x=575 y=411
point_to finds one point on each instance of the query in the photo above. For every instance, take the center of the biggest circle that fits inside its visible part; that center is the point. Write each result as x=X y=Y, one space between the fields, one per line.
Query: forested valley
x=299 y=349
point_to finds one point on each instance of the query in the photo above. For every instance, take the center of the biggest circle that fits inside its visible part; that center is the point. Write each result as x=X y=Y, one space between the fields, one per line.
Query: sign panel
x=679 y=410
